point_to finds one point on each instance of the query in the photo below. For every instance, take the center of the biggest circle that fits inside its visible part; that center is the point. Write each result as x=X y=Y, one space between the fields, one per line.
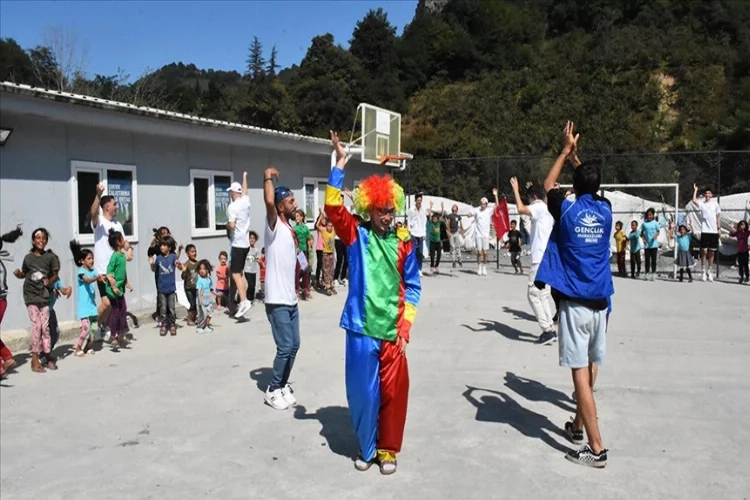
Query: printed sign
x=221 y=199
x=122 y=191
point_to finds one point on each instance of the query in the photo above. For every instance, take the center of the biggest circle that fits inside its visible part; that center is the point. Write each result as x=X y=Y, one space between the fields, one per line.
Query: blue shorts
x=582 y=335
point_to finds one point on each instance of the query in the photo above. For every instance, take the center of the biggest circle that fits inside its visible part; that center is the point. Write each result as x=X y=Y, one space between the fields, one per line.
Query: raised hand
x=513 y=183
x=348 y=192
x=570 y=138
x=272 y=173
x=152 y=260
x=494 y=191
x=340 y=152
x=100 y=189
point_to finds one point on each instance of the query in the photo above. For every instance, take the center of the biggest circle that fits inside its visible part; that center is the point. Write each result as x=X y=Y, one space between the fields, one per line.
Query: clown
x=384 y=290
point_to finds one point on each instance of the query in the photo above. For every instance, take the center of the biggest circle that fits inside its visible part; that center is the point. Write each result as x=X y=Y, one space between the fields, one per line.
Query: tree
x=373 y=43
x=256 y=65
x=15 y=63
x=70 y=57
x=272 y=64
x=326 y=88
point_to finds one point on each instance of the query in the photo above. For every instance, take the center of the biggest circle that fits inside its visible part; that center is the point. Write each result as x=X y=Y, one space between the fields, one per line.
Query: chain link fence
x=726 y=173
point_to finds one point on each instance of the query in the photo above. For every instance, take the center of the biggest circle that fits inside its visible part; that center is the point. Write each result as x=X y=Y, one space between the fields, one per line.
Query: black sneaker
x=575 y=436
x=546 y=338
x=586 y=456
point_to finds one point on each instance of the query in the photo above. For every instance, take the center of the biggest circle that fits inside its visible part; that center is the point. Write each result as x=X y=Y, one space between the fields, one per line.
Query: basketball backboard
x=380 y=134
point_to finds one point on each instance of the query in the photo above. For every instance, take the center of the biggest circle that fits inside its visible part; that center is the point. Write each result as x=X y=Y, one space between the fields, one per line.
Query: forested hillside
x=481 y=78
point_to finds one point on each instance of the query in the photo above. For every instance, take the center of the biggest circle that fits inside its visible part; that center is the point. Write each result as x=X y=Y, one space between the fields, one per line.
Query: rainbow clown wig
x=378 y=192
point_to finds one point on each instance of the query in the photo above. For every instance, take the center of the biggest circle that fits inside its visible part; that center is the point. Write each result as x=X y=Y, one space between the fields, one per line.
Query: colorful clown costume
x=384 y=291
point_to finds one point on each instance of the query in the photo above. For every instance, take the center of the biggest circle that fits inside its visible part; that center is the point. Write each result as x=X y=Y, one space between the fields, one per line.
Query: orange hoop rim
x=386 y=158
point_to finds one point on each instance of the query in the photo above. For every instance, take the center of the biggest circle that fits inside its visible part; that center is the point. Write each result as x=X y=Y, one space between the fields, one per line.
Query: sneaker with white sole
x=243 y=308
x=586 y=456
x=704 y=276
x=574 y=435
x=362 y=465
x=288 y=394
x=710 y=277
x=275 y=399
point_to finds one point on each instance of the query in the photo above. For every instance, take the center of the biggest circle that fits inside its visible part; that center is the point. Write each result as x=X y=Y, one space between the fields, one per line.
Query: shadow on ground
x=506 y=331
x=262 y=377
x=519 y=314
x=498 y=407
x=536 y=391
x=336 y=428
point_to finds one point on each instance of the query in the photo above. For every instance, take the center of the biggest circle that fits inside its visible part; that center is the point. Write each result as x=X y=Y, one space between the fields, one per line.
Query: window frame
x=210 y=175
x=100 y=168
x=315 y=181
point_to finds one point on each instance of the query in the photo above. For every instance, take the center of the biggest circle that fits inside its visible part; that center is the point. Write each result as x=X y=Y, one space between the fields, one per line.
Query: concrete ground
x=177 y=418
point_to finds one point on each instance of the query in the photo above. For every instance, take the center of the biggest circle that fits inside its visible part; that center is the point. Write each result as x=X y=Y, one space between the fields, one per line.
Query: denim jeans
x=419 y=247
x=285 y=328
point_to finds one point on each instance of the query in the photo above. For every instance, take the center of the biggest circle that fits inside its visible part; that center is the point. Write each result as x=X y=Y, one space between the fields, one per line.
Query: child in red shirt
x=222 y=282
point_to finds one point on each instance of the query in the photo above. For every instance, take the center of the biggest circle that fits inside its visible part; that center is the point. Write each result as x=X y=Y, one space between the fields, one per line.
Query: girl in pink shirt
x=742 y=233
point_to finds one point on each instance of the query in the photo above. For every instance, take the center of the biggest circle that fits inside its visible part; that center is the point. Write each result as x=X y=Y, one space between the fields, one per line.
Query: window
x=315 y=197
x=209 y=200
x=119 y=181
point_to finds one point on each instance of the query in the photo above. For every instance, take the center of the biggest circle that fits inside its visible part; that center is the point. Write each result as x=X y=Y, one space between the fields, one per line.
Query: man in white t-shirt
x=101 y=224
x=416 y=219
x=710 y=223
x=542 y=223
x=281 y=292
x=482 y=218
x=238 y=224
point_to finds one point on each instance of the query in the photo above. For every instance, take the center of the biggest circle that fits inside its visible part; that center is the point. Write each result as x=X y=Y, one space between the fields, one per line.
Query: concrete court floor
x=183 y=418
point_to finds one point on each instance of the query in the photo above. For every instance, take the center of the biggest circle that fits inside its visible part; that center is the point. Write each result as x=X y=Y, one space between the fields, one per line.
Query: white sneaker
x=288 y=394
x=710 y=277
x=244 y=307
x=479 y=270
x=275 y=399
x=704 y=276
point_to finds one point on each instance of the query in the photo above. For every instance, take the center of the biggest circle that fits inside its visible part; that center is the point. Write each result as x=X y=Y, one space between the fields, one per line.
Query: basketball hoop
x=389 y=158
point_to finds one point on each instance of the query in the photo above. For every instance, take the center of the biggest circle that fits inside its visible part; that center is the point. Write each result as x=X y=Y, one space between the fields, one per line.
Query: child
x=635 y=250
x=304 y=245
x=222 y=282
x=115 y=290
x=436 y=246
x=57 y=290
x=262 y=266
x=328 y=235
x=204 y=288
x=319 y=250
x=742 y=233
x=650 y=233
x=251 y=266
x=684 y=259
x=190 y=278
x=7 y=363
x=154 y=250
x=514 y=245
x=164 y=265
x=39 y=270
x=86 y=279
x=621 y=242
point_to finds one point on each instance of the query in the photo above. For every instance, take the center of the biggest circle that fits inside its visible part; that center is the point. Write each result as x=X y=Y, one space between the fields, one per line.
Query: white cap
x=484 y=200
x=236 y=187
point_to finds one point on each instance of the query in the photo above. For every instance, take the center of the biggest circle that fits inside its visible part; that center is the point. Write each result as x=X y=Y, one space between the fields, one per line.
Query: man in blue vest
x=576 y=266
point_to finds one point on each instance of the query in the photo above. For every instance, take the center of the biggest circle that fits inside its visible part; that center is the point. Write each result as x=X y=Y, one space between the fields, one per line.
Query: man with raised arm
x=710 y=224
x=281 y=291
x=576 y=266
x=238 y=224
x=541 y=228
x=482 y=218
x=101 y=224
x=384 y=291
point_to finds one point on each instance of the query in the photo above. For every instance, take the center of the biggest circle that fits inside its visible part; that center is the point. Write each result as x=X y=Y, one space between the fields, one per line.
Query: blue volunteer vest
x=576 y=261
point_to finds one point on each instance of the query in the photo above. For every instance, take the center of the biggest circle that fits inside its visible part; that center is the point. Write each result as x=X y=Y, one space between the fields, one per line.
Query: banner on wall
x=221 y=200
x=122 y=191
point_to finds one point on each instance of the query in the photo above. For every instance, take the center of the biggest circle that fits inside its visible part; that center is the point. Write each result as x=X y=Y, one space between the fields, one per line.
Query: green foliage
x=489 y=78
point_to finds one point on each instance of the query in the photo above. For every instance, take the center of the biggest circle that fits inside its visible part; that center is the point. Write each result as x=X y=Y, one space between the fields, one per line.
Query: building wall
x=35 y=190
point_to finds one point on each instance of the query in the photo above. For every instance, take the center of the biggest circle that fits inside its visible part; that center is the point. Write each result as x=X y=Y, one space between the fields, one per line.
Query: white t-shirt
x=239 y=212
x=482 y=220
x=709 y=211
x=417 y=221
x=102 y=251
x=281 y=264
x=542 y=223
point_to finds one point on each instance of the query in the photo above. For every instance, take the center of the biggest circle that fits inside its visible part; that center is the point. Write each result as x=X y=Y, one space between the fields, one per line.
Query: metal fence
x=467 y=180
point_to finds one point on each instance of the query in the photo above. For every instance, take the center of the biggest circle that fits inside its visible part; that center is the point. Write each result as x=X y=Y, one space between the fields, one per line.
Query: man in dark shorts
x=710 y=222
x=238 y=224
x=514 y=245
